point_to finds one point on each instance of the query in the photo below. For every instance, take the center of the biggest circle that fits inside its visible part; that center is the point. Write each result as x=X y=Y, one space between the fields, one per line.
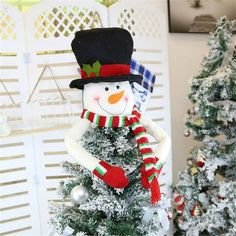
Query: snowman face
x=109 y=99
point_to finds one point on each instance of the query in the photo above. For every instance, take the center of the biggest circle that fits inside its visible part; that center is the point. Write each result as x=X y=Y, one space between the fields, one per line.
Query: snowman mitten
x=112 y=175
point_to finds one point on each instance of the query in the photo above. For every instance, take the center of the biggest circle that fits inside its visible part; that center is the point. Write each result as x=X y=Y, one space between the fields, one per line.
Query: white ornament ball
x=79 y=195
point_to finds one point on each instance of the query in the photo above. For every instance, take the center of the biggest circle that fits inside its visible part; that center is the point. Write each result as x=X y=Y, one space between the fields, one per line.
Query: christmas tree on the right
x=205 y=195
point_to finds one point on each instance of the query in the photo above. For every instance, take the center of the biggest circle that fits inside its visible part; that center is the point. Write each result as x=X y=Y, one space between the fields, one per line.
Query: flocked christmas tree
x=108 y=211
x=205 y=195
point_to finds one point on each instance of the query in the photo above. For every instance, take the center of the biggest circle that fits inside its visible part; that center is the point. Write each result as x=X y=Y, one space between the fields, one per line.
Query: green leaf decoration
x=94 y=69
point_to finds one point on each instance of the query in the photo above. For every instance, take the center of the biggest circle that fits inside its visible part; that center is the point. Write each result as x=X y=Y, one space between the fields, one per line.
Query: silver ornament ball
x=79 y=195
x=196 y=109
x=186 y=133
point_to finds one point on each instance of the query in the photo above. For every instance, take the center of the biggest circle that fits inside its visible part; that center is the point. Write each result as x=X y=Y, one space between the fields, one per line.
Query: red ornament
x=201 y=160
x=179 y=203
x=200 y=164
x=196 y=211
x=178 y=199
x=180 y=208
x=221 y=198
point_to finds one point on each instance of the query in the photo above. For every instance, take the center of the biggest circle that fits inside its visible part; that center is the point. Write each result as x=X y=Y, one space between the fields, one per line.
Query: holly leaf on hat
x=92 y=70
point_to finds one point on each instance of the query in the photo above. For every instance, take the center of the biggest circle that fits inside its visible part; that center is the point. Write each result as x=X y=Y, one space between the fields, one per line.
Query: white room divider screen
x=38 y=43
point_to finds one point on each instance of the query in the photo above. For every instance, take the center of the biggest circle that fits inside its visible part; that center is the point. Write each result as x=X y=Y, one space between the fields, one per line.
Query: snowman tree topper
x=104 y=56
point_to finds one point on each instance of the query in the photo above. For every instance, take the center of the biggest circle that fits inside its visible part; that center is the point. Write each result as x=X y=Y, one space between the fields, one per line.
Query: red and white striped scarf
x=152 y=163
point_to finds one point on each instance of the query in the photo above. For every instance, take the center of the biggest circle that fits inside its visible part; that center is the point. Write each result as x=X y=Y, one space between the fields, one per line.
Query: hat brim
x=79 y=83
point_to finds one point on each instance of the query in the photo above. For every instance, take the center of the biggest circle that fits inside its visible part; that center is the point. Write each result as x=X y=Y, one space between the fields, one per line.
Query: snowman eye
x=106 y=88
x=117 y=86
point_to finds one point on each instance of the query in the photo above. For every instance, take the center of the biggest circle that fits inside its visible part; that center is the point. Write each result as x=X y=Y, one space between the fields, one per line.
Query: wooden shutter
x=19 y=213
x=13 y=73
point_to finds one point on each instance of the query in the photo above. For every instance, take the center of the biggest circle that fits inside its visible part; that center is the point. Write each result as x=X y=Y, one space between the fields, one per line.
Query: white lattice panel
x=18 y=194
x=148 y=26
x=12 y=69
x=51 y=25
x=63 y=21
x=9 y=26
x=135 y=21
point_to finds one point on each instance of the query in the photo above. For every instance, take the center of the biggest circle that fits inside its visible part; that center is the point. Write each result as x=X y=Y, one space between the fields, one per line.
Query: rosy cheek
x=126 y=98
x=96 y=98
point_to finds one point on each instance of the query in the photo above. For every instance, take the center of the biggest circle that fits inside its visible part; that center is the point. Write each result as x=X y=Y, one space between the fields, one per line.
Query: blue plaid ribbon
x=148 y=77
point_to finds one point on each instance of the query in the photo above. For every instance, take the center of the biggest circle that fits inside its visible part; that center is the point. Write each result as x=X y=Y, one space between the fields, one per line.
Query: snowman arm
x=74 y=147
x=160 y=136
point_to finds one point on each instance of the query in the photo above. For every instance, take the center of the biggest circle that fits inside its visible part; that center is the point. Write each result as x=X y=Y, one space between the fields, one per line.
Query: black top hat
x=104 y=55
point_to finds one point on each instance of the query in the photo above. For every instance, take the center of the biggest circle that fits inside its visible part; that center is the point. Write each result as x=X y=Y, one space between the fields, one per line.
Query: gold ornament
x=193 y=170
x=199 y=122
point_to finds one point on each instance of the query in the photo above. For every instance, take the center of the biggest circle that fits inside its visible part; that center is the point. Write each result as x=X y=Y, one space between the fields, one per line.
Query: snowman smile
x=109 y=99
x=117 y=114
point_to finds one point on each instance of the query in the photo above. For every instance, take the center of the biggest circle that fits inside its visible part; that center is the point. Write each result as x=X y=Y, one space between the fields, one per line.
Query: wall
x=185 y=55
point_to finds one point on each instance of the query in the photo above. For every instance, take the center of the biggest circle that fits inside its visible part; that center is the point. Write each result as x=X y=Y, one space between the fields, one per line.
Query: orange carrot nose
x=114 y=98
